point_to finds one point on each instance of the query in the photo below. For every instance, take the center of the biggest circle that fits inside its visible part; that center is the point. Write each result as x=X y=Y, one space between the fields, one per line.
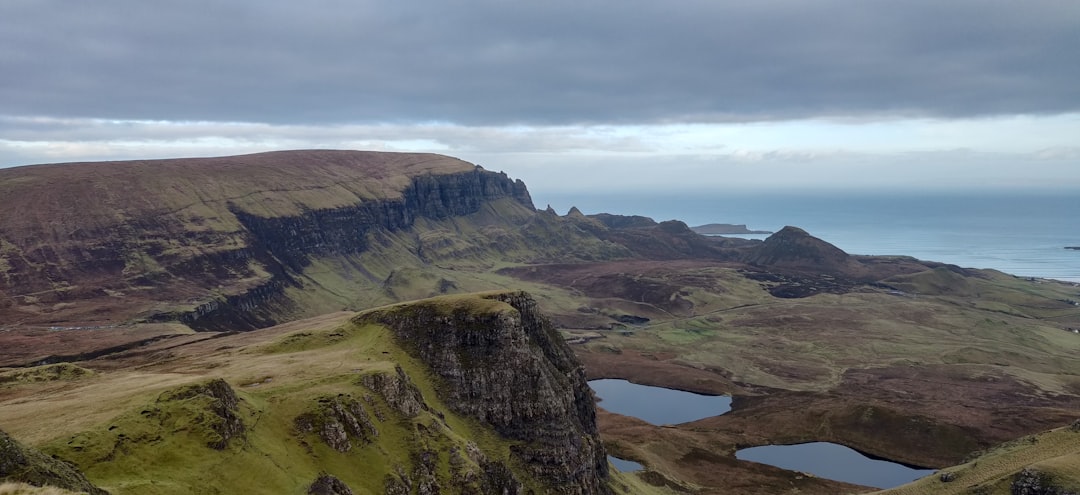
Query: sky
x=574 y=97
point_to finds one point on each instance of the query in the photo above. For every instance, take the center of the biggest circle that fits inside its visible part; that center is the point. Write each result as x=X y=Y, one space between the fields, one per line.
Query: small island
x=725 y=229
x=1074 y=248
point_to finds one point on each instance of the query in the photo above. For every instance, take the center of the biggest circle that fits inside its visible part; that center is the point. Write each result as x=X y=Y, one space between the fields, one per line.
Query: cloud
x=483 y=63
x=30 y=139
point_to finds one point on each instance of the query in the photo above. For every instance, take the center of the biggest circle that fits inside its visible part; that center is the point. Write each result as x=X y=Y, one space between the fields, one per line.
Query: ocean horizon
x=1020 y=234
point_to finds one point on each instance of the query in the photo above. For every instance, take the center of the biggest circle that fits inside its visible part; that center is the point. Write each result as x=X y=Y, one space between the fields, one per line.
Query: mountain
x=359 y=322
x=196 y=240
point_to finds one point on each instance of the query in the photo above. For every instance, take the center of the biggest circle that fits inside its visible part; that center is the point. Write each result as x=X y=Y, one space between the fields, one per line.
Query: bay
x=1021 y=234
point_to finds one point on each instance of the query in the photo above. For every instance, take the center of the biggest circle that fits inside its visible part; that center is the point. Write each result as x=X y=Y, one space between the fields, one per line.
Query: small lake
x=625 y=466
x=835 y=462
x=657 y=405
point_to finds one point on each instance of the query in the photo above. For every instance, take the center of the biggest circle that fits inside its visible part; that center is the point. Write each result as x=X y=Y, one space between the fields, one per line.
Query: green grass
x=159 y=446
x=46 y=373
x=1055 y=453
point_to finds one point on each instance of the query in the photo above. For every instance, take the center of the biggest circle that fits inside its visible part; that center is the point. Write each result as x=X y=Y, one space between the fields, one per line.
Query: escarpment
x=213 y=243
x=502 y=363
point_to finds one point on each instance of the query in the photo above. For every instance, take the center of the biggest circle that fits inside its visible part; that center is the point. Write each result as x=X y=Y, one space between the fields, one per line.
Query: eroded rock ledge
x=502 y=363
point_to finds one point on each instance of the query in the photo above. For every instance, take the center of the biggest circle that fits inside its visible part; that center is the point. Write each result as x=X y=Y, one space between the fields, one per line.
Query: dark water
x=1021 y=234
x=835 y=462
x=659 y=406
x=625 y=466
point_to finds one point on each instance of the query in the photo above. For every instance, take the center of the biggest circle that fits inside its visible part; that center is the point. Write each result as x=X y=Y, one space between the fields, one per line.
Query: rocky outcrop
x=398 y=391
x=501 y=362
x=329 y=485
x=22 y=464
x=217 y=398
x=1032 y=482
x=339 y=421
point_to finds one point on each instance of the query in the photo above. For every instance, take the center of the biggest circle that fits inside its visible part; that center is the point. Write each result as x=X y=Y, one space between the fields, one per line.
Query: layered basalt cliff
x=285 y=245
x=501 y=362
x=213 y=243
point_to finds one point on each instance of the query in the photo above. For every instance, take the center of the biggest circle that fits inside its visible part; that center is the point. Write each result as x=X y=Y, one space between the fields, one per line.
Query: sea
x=1023 y=234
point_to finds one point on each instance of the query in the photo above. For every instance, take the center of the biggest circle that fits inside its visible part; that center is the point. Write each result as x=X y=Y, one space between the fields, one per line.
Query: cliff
x=502 y=363
x=211 y=242
x=464 y=394
x=26 y=465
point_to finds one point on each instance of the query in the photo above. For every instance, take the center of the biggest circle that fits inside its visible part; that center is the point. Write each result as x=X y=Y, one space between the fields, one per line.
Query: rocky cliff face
x=284 y=246
x=22 y=464
x=502 y=363
x=1032 y=482
x=216 y=242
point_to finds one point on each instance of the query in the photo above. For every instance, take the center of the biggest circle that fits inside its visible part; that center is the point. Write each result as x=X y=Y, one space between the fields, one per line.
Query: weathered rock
x=224 y=404
x=338 y=421
x=1032 y=482
x=502 y=363
x=326 y=484
x=947 y=477
x=398 y=391
x=22 y=464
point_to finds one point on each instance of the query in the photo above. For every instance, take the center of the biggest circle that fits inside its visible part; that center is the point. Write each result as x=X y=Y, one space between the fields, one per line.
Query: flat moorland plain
x=911 y=369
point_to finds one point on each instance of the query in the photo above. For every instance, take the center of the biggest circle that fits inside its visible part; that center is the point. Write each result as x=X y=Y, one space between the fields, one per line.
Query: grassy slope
x=459 y=255
x=1055 y=453
x=128 y=440
x=66 y=217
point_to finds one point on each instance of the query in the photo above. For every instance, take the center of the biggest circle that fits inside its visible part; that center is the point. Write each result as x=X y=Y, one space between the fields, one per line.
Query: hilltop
x=282 y=293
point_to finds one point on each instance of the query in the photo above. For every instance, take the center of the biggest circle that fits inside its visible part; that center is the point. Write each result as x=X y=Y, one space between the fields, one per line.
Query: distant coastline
x=725 y=228
x=1074 y=248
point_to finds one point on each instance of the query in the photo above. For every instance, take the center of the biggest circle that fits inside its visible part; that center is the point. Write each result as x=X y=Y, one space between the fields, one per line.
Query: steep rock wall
x=286 y=245
x=503 y=363
x=210 y=242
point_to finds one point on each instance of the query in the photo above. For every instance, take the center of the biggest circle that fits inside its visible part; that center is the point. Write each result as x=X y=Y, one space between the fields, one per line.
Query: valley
x=285 y=276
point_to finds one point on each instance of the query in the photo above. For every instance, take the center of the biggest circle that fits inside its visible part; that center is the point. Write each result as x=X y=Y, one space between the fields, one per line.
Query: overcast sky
x=569 y=95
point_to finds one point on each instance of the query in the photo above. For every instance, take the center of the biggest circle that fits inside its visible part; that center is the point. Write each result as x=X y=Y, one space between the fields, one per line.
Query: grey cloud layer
x=495 y=62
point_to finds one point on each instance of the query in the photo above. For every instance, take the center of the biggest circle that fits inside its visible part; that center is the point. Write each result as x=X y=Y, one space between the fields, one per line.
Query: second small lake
x=625 y=466
x=657 y=405
x=835 y=462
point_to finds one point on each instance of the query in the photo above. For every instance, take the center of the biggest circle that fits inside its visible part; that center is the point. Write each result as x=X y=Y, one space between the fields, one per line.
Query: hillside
x=279 y=410
x=160 y=240
x=139 y=296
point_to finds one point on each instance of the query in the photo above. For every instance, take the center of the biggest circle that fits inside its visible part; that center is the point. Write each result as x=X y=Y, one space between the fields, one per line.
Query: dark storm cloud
x=493 y=62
